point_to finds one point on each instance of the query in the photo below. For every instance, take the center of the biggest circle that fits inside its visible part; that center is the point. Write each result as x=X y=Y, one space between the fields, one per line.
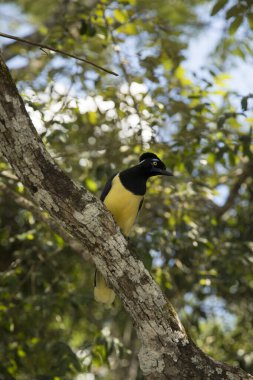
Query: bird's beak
x=162 y=172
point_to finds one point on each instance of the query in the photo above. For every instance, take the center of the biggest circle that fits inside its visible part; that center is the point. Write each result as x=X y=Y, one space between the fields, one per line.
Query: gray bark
x=166 y=351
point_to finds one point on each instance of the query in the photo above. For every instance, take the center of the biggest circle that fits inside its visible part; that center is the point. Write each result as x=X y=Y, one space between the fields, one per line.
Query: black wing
x=107 y=187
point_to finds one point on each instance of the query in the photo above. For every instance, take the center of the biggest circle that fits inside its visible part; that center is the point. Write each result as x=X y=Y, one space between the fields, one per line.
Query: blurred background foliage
x=175 y=60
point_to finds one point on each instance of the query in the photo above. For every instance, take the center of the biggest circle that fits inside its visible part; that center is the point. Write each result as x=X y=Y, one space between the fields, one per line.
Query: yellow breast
x=123 y=205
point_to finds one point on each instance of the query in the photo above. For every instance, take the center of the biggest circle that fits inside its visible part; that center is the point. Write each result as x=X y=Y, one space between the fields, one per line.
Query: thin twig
x=42 y=46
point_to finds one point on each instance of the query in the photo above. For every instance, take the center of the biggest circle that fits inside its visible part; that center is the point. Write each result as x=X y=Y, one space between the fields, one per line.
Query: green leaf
x=128 y=29
x=234 y=11
x=250 y=20
x=244 y=102
x=92 y=186
x=218 y=6
x=239 y=52
x=120 y=16
x=235 y=24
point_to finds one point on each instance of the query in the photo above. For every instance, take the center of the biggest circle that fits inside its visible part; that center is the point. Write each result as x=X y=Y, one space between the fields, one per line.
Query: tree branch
x=166 y=351
x=242 y=177
x=43 y=46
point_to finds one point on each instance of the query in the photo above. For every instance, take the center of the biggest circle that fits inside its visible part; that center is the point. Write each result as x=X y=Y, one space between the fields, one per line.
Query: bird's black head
x=134 y=179
x=152 y=165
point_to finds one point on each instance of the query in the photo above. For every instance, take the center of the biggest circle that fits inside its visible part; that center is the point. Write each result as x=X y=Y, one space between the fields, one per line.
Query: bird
x=123 y=196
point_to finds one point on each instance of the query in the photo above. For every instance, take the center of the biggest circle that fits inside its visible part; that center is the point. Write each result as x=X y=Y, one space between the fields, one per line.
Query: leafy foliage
x=195 y=230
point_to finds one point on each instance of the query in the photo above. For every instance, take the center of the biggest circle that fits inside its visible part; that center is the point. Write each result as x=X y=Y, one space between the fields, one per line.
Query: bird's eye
x=154 y=163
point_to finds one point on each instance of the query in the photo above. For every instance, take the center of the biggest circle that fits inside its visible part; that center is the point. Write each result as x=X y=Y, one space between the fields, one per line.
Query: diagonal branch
x=242 y=177
x=47 y=47
x=166 y=351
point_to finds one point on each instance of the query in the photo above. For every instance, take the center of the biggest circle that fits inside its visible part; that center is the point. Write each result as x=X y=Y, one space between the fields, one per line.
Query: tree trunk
x=166 y=351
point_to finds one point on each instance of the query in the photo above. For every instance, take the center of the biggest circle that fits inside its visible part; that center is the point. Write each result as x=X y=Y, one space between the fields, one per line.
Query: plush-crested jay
x=123 y=195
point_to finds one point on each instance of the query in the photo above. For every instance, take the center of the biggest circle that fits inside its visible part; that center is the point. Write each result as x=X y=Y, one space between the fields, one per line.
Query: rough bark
x=166 y=351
